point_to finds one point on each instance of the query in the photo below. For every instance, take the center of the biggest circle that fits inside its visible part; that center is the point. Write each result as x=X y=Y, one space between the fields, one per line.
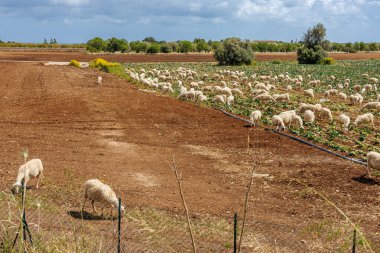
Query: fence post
x=235 y=231
x=354 y=242
x=118 y=226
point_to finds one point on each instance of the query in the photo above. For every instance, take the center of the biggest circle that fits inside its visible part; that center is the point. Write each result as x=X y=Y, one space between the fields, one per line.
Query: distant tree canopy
x=313 y=38
x=234 y=52
x=314 y=44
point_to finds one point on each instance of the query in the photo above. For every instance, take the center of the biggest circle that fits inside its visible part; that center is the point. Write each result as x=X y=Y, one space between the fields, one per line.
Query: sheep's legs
x=93 y=206
x=84 y=202
x=368 y=171
x=38 y=180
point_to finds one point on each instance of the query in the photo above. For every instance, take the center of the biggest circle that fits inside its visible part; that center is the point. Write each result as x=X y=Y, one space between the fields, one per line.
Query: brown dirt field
x=192 y=57
x=126 y=137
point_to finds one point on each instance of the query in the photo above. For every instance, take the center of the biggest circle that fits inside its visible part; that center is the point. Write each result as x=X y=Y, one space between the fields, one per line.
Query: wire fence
x=64 y=228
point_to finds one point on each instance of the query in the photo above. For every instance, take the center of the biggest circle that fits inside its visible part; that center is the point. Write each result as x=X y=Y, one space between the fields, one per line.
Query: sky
x=76 y=21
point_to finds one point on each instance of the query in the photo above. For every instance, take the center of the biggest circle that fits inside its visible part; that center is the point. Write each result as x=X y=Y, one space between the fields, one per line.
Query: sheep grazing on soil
x=343 y=96
x=96 y=191
x=370 y=105
x=219 y=99
x=357 y=88
x=304 y=107
x=297 y=120
x=278 y=122
x=100 y=79
x=365 y=119
x=356 y=99
x=27 y=171
x=309 y=116
x=230 y=100
x=344 y=120
x=264 y=97
x=255 y=117
x=326 y=113
x=309 y=93
x=281 y=97
x=373 y=161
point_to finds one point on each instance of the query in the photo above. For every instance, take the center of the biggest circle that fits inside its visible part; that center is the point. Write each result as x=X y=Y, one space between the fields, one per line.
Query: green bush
x=153 y=49
x=166 y=48
x=328 y=61
x=117 y=45
x=96 y=45
x=185 y=46
x=74 y=63
x=234 y=52
x=310 y=55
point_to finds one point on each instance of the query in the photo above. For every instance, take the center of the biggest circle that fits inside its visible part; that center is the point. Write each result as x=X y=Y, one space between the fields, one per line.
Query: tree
x=185 y=46
x=165 y=48
x=234 y=52
x=154 y=48
x=312 y=51
x=96 y=45
x=117 y=45
x=45 y=41
x=201 y=45
x=150 y=39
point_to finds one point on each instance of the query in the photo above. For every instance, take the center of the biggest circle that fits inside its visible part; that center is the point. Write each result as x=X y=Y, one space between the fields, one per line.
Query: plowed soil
x=192 y=57
x=127 y=138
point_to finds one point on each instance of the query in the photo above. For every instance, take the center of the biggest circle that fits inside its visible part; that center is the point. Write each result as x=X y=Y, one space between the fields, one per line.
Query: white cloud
x=71 y=2
x=195 y=6
x=218 y=20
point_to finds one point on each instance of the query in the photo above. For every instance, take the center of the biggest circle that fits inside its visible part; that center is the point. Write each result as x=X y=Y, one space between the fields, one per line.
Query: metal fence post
x=235 y=231
x=119 y=226
x=354 y=242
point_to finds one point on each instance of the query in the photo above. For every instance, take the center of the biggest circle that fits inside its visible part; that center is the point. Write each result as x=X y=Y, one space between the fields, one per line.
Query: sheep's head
x=15 y=189
x=122 y=211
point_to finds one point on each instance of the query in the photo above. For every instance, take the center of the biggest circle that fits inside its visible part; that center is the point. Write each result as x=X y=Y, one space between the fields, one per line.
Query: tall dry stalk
x=178 y=178
x=21 y=234
x=245 y=209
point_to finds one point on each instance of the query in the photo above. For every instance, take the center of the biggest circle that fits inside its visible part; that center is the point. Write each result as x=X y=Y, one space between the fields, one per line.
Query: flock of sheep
x=94 y=189
x=225 y=86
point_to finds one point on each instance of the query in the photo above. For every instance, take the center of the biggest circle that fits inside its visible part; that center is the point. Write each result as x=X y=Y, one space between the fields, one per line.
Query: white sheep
x=296 y=119
x=219 y=99
x=281 y=97
x=357 y=88
x=365 y=119
x=278 y=122
x=255 y=117
x=96 y=191
x=100 y=79
x=373 y=161
x=309 y=116
x=202 y=98
x=264 y=97
x=27 y=171
x=230 y=100
x=344 y=120
x=343 y=96
x=304 y=107
x=370 y=105
x=309 y=93
x=326 y=113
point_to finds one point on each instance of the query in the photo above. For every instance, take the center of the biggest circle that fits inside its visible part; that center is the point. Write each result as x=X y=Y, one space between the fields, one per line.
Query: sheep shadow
x=88 y=216
x=365 y=180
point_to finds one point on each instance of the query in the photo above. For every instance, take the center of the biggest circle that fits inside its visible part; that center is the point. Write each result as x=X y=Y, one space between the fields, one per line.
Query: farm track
x=127 y=138
x=192 y=57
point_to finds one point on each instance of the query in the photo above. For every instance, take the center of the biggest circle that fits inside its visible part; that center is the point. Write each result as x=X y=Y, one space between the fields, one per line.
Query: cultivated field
x=126 y=137
x=47 y=55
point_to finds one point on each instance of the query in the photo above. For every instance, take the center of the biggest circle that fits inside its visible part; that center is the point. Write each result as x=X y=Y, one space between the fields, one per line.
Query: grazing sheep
x=317 y=107
x=278 y=122
x=309 y=116
x=230 y=100
x=264 y=97
x=219 y=99
x=237 y=92
x=344 y=120
x=309 y=93
x=287 y=117
x=304 y=107
x=357 y=88
x=100 y=79
x=27 y=171
x=356 y=99
x=373 y=161
x=96 y=191
x=297 y=120
x=326 y=113
x=343 y=96
x=370 y=105
x=281 y=97
x=365 y=119
x=255 y=117
x=202 y=98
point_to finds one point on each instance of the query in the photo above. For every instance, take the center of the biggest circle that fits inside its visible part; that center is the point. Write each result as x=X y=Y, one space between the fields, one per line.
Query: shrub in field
x=234 y=52
x=310 y=55
x=74 y=63
x=96 y=45
x=154 y=48
x=185 y=46
x=328 y=61
x=312 y=51
x=166 y=48
x=139 y=47
x=117 y=45
x=105 y=65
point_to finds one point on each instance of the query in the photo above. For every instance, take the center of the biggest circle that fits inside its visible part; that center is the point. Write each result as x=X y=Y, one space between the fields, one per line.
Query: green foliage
x=139 y=47
x=314 y=36
x=96 y=45
x=201 y=45
x=74 y=63
x=185 y=46
x=150 y=39
x=234 y=52
x=328 y=61
x=310 y=55
x=105 y=65
x=154 y=48
x=166 y=48
x=117 y=45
